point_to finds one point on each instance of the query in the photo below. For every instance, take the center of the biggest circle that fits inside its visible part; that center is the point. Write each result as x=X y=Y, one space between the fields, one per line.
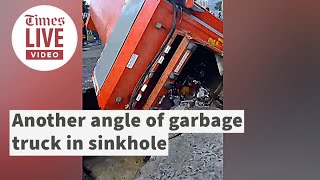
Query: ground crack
x=179 y=134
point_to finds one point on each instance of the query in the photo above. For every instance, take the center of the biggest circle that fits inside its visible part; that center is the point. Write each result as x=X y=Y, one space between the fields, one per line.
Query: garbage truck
x=155 y=51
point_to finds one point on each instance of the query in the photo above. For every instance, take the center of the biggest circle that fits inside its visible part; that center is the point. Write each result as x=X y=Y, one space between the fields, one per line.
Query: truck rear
x=155 y=50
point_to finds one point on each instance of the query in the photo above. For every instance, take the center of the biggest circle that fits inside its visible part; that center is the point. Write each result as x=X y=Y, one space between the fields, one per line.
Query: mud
x=113 y=168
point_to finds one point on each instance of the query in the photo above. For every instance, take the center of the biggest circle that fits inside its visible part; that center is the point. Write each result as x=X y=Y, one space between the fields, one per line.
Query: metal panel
x=219 y=60
x=207 y=26
x=182 y=61
x=114 y=44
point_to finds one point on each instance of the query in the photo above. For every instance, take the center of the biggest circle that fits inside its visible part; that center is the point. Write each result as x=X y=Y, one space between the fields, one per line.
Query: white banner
x=111 y=133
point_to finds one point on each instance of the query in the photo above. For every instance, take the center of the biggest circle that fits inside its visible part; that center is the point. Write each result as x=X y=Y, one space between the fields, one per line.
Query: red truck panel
x=144 y=39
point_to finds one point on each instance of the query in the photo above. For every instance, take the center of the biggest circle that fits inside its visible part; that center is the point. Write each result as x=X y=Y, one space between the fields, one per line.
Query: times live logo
x=48 y=33
x=44 y=38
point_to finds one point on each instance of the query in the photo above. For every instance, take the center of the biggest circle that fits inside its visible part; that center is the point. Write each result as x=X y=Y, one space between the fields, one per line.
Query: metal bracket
x=192 y=47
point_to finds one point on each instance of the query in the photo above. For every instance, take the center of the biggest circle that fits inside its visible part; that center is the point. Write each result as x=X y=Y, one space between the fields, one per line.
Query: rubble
x=192 y=95
x=198 y=85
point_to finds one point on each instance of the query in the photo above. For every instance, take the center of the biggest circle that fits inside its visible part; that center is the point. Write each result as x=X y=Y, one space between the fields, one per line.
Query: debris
x=185 y=90
x=176 y=100
x=201 y=93
x=191 y=93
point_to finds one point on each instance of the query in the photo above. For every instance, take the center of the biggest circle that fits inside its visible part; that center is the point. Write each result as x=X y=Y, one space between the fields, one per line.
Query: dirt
x=113 y=168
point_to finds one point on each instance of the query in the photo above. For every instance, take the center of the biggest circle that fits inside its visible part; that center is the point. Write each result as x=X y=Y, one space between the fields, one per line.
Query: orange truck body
x=133 y=32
